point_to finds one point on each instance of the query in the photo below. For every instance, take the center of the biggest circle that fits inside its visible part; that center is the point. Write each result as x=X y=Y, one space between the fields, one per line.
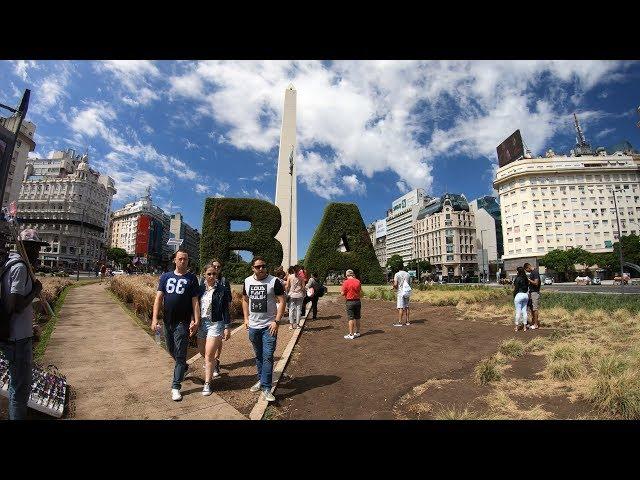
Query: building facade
x=486 y=213
x=559 y=202
x=191 y=238
x=69 y=204
x=400 y=221
x=142 y=230
x=378 y=235
x=24 y=144
x=445 y=236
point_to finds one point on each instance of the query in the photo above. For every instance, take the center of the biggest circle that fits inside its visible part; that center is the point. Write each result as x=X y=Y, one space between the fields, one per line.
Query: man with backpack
x=16 y=322
x=401 y=283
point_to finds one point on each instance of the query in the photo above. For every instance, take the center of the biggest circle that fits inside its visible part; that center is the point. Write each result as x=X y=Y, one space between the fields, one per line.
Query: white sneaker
x=176 y=396
x=398 y=324
x=206 y=391
x=268 y=396
x=255 y=387
x=349 y=336
x=356 y=335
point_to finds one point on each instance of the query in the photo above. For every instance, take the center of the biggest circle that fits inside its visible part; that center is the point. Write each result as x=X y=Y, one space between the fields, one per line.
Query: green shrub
x=487 y=371
x=563 y=352
x=342 y=221
x=512 y=348
x=536 y=344
x=618 y=395
x=612 y=366
x=565 y=369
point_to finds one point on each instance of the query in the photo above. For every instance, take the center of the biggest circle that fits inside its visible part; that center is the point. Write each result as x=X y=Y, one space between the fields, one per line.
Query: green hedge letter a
x=218 y=241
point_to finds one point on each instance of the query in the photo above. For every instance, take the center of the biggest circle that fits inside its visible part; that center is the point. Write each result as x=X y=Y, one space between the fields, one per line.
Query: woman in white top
x=295 y=288
x=215 y=298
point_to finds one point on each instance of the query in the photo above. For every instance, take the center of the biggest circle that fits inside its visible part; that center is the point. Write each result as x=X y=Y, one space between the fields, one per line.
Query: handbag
x=310 y=292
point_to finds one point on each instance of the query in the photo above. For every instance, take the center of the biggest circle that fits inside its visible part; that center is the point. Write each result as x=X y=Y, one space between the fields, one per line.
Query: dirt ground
x=408 y=372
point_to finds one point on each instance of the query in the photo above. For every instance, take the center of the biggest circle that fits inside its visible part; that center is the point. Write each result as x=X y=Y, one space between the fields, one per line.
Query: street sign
x=175 y=241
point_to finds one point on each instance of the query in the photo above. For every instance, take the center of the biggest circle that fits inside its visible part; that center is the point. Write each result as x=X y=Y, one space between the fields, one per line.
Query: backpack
x=321 y=290
x=5 y=317
x=406 y=288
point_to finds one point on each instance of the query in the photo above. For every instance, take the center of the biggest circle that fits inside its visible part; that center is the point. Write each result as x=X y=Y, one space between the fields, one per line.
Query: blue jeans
x=177 y=339
x=264 y=344
x=19 y=354
x=520 y=302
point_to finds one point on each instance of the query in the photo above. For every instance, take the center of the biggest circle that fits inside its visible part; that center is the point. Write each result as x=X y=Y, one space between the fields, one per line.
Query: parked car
x=583 y=280
x=596 y=281
x=118 y=272
x=548 y=281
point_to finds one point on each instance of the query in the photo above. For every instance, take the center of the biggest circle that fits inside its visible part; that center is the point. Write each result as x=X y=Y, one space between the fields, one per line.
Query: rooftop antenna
x=582 y=147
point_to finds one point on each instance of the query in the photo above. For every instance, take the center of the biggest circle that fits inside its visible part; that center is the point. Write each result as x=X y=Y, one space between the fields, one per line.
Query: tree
x=118 y=256
x=395 y=263
x=564 y=261
x=425 y=266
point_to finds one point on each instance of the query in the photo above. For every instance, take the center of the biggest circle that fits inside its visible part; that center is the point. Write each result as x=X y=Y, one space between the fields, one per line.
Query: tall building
x=400 y=220
x=69 y=204
x=179 y=229
x=142 y=230
x=378 y=235
x=486 y=212
x=286 y=183
x=445 y=235
x=559 y=202
x=24 y=144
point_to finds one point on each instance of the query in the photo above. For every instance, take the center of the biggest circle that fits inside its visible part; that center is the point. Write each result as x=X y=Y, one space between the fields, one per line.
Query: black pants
x=314 y=306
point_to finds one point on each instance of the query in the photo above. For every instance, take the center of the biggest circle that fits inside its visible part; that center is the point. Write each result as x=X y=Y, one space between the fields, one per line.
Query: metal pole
x=615 y=205
x=77 y=247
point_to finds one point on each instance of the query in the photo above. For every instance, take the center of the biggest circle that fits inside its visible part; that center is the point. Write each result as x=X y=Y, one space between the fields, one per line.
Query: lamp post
x=482 y=247
x=77 y=247
x=615 y=206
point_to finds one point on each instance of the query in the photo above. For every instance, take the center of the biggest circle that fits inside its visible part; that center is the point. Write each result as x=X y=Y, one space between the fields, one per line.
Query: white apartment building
x=142 y=230
x=24 y=145
x=69 y=204
x=559 y=202
x=191 y=238
x=400 y=220
x=378 y=235
x=445 y=235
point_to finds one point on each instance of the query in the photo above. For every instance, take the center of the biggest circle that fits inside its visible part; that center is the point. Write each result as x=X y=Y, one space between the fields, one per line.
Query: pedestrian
x=534 y=293
x=103 y=271
x=295 y=289
x=262 y=306
x=520 y=298
x=351 y=290
x=178 y=296
x=16 y=339
x=401 y=284
x=312 y=295
x=215 y=298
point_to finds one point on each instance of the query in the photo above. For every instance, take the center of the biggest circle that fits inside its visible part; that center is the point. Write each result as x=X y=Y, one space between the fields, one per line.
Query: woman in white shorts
x=215 y=297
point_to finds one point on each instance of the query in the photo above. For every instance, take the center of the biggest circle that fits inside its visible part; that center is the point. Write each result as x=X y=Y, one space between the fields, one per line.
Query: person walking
x=215 y=298
x=103 y=271
x=312 y=292
x=16 y=341
x=177 y=295
x=295 y=288
x=401 y=284
x=520 y=298
x=534 y=293
x=263 y=306
x=351 y=290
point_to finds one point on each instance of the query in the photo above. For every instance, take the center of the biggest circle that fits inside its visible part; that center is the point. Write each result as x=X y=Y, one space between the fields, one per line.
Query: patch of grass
x=612 y=366
x=563 y=352
x=592 y=301
x=618 y=395
x=45 y=335
x=453 y=413
x=536 y=344
x=512 y=348
x=565 y=369
x=487 y=371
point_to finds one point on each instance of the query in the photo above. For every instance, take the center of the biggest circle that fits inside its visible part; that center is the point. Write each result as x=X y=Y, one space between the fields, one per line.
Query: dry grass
x=487 y=371
x=140 y=291
x=512 y=348
x=52 y=286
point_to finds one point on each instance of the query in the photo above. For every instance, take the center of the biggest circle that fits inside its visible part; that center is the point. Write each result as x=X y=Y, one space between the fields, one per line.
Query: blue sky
x=368 y=131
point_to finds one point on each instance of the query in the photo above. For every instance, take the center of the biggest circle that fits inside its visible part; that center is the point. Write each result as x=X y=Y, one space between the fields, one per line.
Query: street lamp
x=77 y=247
x=482 y=248
x=615 y=206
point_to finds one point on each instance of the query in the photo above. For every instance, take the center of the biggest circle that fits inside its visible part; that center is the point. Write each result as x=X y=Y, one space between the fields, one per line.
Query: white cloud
x=374 y=116
x=135 y=76
x=256 y=194
x=21 y=67
x=190 y=145
x=604 y=133
x=200 y=188
x=47 y=94
x=354 y=185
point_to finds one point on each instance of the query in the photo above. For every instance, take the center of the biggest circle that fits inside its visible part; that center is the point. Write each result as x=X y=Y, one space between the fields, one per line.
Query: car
x=583 y=280
x=548 y=281
x=118 y=272
x=596 y=281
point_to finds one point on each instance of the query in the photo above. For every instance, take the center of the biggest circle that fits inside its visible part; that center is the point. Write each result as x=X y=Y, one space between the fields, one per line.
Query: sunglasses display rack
x=48 y=390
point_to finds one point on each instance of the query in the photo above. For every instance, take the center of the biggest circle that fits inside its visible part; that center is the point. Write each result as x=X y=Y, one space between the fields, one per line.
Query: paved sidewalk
x=116 y=370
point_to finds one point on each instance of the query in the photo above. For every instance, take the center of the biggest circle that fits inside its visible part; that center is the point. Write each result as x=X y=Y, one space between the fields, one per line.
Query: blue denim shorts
x=210 y=329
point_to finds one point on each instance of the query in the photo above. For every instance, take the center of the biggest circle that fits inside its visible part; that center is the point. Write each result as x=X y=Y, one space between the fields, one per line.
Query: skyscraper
x=286 y=188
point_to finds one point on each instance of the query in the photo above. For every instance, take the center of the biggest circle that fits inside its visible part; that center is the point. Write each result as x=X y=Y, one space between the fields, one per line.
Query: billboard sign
x=381 y=228
x=511 y=149
x=142 y=235
x=406 y=201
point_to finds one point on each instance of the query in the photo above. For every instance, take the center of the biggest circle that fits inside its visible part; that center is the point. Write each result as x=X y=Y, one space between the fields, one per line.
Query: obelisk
x=286 y=188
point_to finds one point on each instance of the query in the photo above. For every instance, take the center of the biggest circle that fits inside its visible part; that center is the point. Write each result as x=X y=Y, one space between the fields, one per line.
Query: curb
x=261 y=405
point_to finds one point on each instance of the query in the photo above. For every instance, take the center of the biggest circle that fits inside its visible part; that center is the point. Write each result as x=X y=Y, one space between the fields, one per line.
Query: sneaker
x=255 y=388
x=206 y=391
x=349 y=336
x=268 y=396
x=356 y=335
x=398 y=324
x=176 y=396
x=216 y=369
x=290 y=326
x=408 y=323
x=533 y=327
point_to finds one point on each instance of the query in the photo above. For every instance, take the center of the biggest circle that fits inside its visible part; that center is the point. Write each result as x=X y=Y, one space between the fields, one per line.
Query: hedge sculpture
x=343 y=222
x=218 y=241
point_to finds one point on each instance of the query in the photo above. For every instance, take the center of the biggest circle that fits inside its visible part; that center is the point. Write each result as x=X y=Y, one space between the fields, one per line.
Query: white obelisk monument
x=286 y=188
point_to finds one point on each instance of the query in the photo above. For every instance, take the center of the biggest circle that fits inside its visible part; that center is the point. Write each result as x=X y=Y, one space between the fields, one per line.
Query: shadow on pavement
x=296 y=386
x=317 y=329
x=371 y=332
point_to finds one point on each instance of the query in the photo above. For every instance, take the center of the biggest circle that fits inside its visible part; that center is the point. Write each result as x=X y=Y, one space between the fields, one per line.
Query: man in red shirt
x=351 y=289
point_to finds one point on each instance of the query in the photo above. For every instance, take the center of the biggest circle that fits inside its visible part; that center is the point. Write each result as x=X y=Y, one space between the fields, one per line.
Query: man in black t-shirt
x=178 y=295
x=534 y=293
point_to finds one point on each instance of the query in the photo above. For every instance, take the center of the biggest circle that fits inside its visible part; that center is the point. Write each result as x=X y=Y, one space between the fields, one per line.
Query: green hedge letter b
x=218 y=241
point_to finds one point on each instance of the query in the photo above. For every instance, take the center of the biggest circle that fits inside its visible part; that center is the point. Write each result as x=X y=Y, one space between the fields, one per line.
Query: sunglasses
x=259 y=267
